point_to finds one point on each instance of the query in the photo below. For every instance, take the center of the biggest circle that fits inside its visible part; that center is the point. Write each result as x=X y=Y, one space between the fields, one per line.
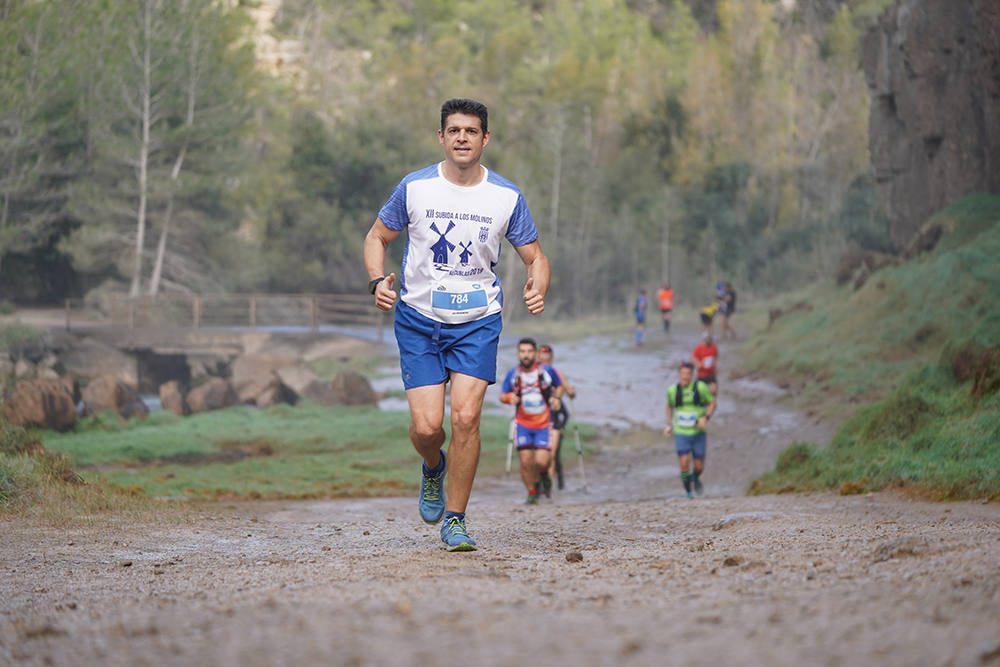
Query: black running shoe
x=546 y=483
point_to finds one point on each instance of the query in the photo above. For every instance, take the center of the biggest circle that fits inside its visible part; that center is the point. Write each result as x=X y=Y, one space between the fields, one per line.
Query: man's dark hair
x=464 y=106
x=528 y=341
x=687 y=364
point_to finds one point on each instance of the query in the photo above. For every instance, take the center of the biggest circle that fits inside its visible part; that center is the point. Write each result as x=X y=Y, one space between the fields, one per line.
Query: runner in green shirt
x=689 y=407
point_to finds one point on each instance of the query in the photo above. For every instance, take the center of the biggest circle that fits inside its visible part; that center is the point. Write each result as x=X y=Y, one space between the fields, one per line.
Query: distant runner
x=707 y=314
x=706 y=358
x=665 y=298
x=690 y=404
x=535 y=389
x=641 y=303
x=559 y=417
x=727 y=306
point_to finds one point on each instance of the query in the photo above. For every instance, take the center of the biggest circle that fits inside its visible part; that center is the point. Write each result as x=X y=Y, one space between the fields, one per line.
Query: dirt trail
x=725 y=579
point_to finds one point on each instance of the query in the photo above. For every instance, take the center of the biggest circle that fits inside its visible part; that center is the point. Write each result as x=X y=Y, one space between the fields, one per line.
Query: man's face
x=526 y=355
x=463 y=139
x=545 y=356
x=684 y=375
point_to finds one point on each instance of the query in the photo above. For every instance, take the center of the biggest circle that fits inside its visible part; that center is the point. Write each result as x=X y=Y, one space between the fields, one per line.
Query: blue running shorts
x=691 y=444
x=532 y=438
x=428 y=349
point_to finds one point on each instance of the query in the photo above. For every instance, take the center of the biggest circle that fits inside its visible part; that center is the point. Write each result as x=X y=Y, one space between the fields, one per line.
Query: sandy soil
x=620 y=570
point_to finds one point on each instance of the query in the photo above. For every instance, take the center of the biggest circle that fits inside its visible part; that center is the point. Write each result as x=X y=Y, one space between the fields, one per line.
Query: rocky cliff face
x=933 y=71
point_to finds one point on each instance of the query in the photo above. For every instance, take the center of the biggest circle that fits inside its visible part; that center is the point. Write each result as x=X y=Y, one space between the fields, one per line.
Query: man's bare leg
x=427 y=422
x=467 y=395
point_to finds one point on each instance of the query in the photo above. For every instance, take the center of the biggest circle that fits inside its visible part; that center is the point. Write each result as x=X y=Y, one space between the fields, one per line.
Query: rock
x=934 y=86
x=51 y=362
x=733 y=561
x=172 y=398
x=107 y=392
x=24 y=369
x=731 y=520
x=275 y=394
x=297 y=379
x=253 y=375
x=214 y=394
x=574 y=557
x=351 y=388
x=41 y=403
x=88 y=358
x=321 y=392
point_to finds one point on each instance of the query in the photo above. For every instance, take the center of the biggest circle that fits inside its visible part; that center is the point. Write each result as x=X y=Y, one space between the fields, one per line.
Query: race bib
x=687 y=418
x=458 y=299
x=708 y=362
x=533 y=404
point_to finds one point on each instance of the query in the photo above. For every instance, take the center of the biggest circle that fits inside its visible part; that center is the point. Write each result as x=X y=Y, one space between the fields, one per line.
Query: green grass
x=304 y=451
x=882 y=356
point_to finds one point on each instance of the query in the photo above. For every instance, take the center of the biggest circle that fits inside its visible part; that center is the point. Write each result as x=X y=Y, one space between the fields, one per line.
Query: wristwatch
x=373 y=283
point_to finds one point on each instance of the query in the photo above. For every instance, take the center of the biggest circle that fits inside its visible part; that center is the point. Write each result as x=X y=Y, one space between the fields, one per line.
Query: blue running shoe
x=455 y=537
x=431 y=499
x=690 y=495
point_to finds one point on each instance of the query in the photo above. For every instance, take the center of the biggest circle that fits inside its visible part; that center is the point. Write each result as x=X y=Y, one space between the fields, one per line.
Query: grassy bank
x=304 y=451
x=899 y=360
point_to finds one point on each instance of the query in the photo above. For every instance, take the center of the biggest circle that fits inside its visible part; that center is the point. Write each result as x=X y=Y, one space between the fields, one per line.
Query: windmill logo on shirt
x=442 y=246
x=463 y=257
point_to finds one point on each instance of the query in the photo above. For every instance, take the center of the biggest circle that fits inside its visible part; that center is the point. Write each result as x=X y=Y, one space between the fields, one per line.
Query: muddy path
x=652 y=578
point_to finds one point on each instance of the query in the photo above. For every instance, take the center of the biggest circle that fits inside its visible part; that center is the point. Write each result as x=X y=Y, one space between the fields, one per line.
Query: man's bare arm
x=538 y=276
x=377 y=240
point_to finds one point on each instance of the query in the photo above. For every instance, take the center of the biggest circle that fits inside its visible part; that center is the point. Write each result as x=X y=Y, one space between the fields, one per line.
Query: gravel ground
x=620 y=571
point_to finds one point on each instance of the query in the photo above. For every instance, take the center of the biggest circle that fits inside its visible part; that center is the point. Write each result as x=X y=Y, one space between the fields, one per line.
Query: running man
x=706 y=358
x=707 y=314
x=727 y=306
x=535 y=389
x=665 y=298
x=559 y=417
x=448 y=321
x=641 y=303
x=690 y=404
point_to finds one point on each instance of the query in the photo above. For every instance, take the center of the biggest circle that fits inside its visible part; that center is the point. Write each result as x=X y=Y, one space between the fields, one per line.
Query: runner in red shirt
x=706 y=357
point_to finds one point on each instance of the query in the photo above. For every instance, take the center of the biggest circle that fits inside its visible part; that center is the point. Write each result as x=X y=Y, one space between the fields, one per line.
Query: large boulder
x=214 y=394
x=297 y=379
x=934 y=83
x=321 y=393
x=254 y=374
x=172 y=398
x=106 y=392
x=41 y=403
x=351 y=388
x=89 y=358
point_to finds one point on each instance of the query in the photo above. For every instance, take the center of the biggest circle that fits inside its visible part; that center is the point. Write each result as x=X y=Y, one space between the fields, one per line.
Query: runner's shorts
x=691 y=444
x=428 y=350
x=532 y=438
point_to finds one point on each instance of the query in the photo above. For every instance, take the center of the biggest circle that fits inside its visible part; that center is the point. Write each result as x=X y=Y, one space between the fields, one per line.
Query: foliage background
x=148 y=146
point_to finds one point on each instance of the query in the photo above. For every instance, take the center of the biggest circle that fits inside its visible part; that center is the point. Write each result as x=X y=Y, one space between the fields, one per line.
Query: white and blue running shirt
x=453 y=242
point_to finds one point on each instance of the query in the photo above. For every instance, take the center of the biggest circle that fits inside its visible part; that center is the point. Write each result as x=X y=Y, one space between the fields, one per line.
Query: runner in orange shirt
x=665 y=297
x=706 y=358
